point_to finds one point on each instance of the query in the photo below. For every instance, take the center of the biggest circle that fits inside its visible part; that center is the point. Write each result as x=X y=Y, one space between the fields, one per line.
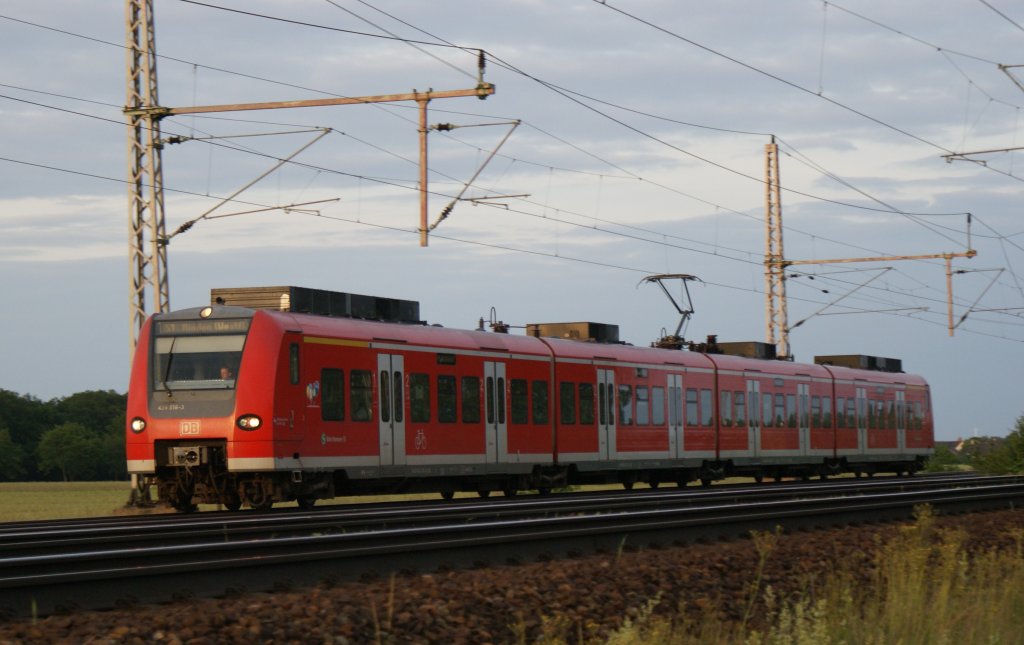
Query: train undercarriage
x=189 y=474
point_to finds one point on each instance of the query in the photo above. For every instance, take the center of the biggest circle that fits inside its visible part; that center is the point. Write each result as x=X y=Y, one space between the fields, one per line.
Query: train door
x=496 y=421
x=901 y=421
x=803 y=416
x=676 y=445
x=862 y=419
x=606 y=414
x=754 y=417
x=390 y=403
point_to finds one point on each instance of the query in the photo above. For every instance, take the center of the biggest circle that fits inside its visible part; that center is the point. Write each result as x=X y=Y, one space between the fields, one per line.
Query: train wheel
x=510 y=492
x=759 y=477
x=448 y=494
x=181 y=501
x=484 y=493
x=705 y=481
x=233 y=505
x=543 y=490
x=306 y=501
x=627 y=485
x=184 y=507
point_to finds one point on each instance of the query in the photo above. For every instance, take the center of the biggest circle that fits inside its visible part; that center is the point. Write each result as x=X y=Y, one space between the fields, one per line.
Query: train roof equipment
x=335 y=304
x=582 y=331
x=862 y=362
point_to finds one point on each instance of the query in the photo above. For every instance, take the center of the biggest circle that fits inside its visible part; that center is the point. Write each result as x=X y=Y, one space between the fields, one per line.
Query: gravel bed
x=589 y=595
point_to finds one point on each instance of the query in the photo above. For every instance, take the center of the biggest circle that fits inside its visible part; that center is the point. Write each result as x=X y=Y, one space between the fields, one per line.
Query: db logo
x=190 y=428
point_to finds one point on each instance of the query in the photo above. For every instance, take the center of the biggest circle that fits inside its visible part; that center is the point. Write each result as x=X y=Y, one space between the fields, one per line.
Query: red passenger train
x=241 y=405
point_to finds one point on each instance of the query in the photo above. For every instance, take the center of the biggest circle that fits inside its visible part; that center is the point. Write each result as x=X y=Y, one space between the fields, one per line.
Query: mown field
x=26 y=501
x=20 y=501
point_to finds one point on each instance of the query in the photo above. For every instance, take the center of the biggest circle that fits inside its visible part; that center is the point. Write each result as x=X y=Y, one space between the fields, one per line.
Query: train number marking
x=190 y=428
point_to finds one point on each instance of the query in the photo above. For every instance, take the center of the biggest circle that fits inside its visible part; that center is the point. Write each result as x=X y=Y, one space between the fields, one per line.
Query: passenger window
x=707 y=405
x=501 y=399
x=332 y=387
x=725 y=405
x=625 y=405
x=385 y=396
x=740 y=402
x=567 y=402
x=293 y=363
x=643 y=405
x=658 y=406
x=446 y=399
x=816 y=411
x=692 y=413
x=520 y=401
x=489 y=385
x=361 y=394
x=587 y=403
x=470 y=399
x=826 y=412
x=399 y=397
x=611 y=403
x=791 y=410
x=419 y=398
x=540 y=402
x=767 y=416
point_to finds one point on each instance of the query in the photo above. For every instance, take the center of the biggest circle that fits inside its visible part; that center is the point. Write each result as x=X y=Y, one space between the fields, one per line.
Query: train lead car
x=280 y=393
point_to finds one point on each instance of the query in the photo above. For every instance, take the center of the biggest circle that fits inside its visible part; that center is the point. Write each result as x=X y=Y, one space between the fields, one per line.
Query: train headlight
x=249 y=422
x=138 y=425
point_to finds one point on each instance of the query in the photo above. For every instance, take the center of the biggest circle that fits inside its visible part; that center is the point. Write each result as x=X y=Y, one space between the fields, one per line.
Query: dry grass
x=926 y=590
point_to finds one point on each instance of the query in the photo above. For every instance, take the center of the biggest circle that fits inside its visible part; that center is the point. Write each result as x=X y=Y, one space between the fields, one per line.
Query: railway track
x=48 y=567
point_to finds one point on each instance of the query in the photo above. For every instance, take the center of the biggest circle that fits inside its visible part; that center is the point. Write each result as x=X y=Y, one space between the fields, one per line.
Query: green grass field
x=26 y=501
x=56 y=500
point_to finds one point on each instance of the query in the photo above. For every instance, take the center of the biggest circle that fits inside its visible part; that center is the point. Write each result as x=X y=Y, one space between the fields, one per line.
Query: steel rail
x=105 y=574
x=166 y=529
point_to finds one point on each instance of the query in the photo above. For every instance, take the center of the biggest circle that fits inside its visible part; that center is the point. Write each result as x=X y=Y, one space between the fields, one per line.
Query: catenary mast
x=146 y=250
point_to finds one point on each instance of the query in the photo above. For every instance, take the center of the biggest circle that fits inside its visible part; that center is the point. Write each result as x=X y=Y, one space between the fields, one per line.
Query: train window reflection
x=658 y=405
x=197 y=362
x=520 y=401
x=446 y=406
x=419 y=398
x=587 y=403
x=470 y=399
x=361 y=393
x=567 y=402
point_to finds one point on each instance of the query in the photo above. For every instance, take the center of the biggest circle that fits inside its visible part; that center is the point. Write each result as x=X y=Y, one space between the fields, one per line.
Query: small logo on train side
x=190 y=428
x=312 y=392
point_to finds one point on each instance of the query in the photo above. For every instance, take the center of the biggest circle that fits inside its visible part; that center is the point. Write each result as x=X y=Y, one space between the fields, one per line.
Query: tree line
x=81 y=438
x=988 y=455
x=75 y=438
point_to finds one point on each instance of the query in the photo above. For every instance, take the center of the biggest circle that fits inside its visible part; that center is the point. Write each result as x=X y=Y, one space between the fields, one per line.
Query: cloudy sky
x=639 y=150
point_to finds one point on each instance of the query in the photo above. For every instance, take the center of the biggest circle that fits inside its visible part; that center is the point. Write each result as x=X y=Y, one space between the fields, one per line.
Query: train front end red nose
x=188 y=415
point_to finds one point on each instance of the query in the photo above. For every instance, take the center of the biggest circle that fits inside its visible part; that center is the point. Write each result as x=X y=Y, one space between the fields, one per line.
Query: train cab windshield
x=197 y=356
